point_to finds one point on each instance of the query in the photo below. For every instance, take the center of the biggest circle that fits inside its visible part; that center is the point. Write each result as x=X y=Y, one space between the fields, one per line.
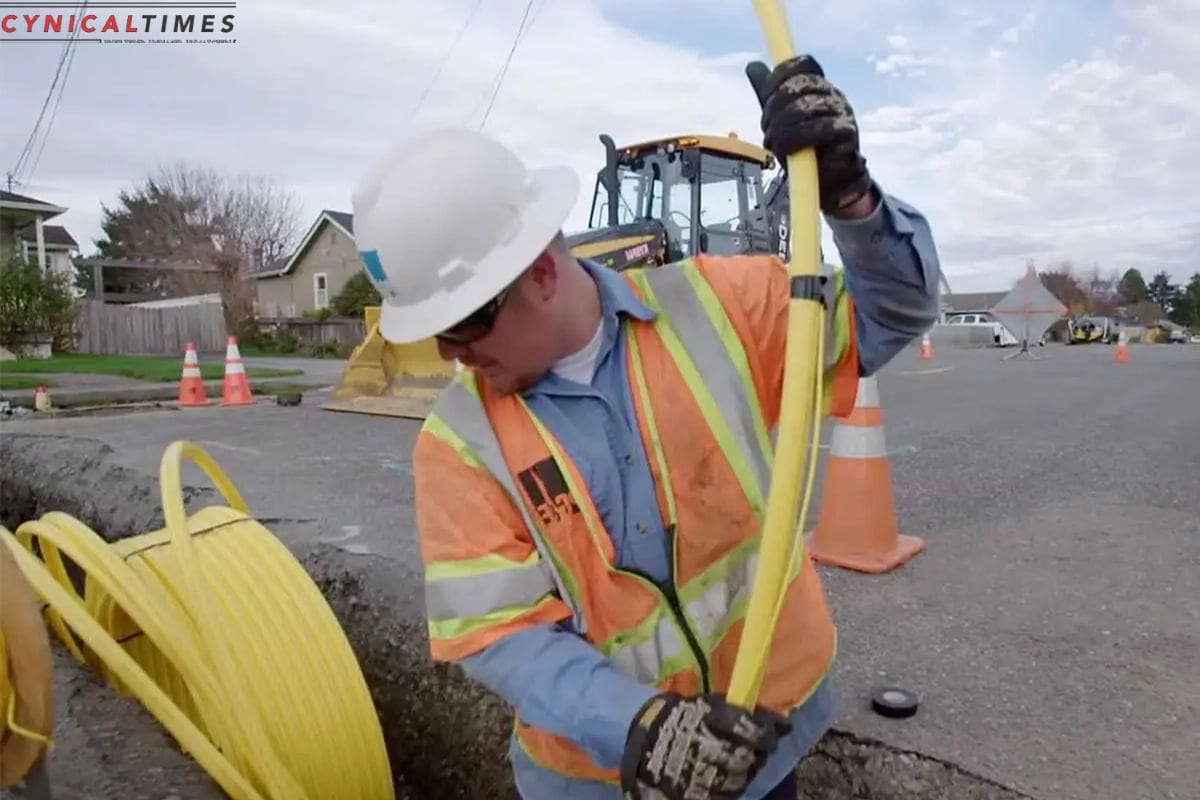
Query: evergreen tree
x=1162 y=291
x=1132 y=286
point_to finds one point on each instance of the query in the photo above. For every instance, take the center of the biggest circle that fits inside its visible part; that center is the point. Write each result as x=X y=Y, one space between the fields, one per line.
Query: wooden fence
x=126 y=330
x=341 y=331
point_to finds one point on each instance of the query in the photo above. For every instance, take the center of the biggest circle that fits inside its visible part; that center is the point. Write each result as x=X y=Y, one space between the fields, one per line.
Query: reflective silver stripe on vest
x=703 y=343
x=478 y=595
x=645 y=659
x=463 y=411
x=710 y=611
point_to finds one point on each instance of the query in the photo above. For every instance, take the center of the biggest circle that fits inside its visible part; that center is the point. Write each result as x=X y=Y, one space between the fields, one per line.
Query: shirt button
x=628 y=459
x=642 y=528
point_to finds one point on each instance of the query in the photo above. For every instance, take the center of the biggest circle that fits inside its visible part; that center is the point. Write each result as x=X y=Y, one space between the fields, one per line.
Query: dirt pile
x=40 y=473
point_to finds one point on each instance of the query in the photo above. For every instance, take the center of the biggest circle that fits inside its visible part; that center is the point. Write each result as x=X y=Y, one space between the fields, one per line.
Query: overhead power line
x=446 y=57
x=507 y=61
x=54 y=111
x=61 y=72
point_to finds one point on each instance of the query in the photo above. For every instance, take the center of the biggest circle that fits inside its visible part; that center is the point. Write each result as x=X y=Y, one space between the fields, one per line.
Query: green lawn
x=10 y=382
x=147 y=368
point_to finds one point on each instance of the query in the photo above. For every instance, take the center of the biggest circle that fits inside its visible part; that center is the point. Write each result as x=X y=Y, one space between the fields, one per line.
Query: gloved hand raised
x=802 y=109
x=697 y=748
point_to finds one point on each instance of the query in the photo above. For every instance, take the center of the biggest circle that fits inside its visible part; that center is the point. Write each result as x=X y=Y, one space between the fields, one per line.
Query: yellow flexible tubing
x=26 y=677
x=216 y=628
x=799 y=408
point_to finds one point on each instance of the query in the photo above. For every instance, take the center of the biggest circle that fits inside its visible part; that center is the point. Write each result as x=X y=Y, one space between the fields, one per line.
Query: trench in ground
x=446 y=736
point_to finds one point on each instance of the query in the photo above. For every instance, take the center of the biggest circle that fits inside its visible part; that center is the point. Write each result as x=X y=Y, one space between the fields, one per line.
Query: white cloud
x=1013 y=34
x=309 y=95
x=1086 y=157
x=904 y=64
x=1074 y=143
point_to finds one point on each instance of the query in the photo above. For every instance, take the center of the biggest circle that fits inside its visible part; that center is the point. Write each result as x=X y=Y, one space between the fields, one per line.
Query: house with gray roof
x=314 y=273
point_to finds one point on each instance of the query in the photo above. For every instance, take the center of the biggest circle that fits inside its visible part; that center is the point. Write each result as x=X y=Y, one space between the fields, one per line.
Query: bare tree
x=249 y=215
x=1063 y=283
x=191 y=213
x=1101 y=291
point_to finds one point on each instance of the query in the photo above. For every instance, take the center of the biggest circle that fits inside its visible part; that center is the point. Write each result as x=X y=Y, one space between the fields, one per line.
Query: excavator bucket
x=391 y=380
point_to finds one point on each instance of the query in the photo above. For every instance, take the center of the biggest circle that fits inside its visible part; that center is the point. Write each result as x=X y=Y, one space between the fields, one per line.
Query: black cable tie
x=809 y=287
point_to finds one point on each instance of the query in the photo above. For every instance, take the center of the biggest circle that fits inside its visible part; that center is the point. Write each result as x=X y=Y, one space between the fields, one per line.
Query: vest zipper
x=677 y=609
x=668 y=592
x=672 y=598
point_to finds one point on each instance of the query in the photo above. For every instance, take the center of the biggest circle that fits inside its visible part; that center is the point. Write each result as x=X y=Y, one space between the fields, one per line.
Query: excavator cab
x=664 y=200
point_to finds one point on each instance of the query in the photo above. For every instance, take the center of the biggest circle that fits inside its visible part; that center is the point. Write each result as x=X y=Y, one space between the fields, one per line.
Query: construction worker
x=590 y=488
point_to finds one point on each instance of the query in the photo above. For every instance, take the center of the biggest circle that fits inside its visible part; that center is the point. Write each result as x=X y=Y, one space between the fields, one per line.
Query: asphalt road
x=1052 y=626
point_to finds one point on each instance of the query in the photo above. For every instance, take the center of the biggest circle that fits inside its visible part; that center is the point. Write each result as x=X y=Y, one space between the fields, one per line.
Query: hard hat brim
x=556 y=190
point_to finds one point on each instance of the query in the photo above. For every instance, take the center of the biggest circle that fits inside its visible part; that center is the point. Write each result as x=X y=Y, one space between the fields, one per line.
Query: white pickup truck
x=1000 y=334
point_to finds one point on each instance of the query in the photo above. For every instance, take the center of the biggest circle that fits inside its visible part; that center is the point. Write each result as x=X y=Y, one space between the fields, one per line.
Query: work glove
x=697 y=748
x=802 y=109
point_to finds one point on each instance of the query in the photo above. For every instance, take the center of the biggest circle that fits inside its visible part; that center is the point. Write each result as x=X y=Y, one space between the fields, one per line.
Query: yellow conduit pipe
x=26 y=677
x=216 y=628
x=799 y=415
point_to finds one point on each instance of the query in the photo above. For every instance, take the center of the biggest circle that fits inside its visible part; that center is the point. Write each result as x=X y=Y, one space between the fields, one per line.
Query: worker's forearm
x=559 y=682
x=892 y=272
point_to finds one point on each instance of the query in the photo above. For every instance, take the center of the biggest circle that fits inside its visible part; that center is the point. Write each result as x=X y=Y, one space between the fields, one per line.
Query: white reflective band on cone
x=868 y=393
x=850 y=441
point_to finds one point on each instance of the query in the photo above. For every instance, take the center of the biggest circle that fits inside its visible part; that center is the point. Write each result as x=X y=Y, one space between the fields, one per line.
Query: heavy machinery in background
x=654 y=202
x=663 y=200
x=1092 y=330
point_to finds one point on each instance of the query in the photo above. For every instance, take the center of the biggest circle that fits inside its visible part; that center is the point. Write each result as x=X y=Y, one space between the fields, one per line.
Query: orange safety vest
x=511 y=537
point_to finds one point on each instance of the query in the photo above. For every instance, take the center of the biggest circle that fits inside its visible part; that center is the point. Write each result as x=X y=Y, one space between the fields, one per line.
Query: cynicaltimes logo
x=119 y=23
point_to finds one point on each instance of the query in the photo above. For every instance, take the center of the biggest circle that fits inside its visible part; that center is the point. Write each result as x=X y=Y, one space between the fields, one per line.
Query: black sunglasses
x=479 y=323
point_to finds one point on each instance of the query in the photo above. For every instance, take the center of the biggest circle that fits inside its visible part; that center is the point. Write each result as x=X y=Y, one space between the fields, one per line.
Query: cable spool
x=26 y=677
x=215 y=627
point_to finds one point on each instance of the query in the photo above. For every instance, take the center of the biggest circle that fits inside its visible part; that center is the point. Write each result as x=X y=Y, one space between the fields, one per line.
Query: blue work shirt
x=550 y=674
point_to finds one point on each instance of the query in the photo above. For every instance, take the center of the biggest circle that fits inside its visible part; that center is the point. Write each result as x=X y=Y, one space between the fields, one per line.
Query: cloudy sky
x=1064 y=129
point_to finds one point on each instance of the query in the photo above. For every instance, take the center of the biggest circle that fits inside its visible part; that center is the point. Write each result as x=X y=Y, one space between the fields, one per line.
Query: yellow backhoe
x=654 y=202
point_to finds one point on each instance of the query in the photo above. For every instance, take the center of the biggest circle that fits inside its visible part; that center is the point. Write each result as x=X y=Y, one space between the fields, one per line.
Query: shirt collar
x=616 y=295
x=616 y=298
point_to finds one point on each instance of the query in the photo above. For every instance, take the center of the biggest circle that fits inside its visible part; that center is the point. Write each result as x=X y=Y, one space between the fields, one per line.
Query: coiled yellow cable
x=216 y=628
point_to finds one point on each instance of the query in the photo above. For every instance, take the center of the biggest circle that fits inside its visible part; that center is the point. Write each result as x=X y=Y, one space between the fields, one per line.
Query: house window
x=320 y=290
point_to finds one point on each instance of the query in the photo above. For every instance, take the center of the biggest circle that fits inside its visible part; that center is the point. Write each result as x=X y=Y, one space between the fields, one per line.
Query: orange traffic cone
x=236 y=391
x=926 y=347
x=857 y=528
x=191 y=384
x=1122 y=354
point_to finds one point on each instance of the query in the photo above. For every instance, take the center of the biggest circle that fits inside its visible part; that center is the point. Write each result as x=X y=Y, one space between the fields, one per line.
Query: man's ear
x=543 y=272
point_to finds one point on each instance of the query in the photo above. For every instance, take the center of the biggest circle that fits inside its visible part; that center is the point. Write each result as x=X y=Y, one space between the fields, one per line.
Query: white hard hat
x=447 y=219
